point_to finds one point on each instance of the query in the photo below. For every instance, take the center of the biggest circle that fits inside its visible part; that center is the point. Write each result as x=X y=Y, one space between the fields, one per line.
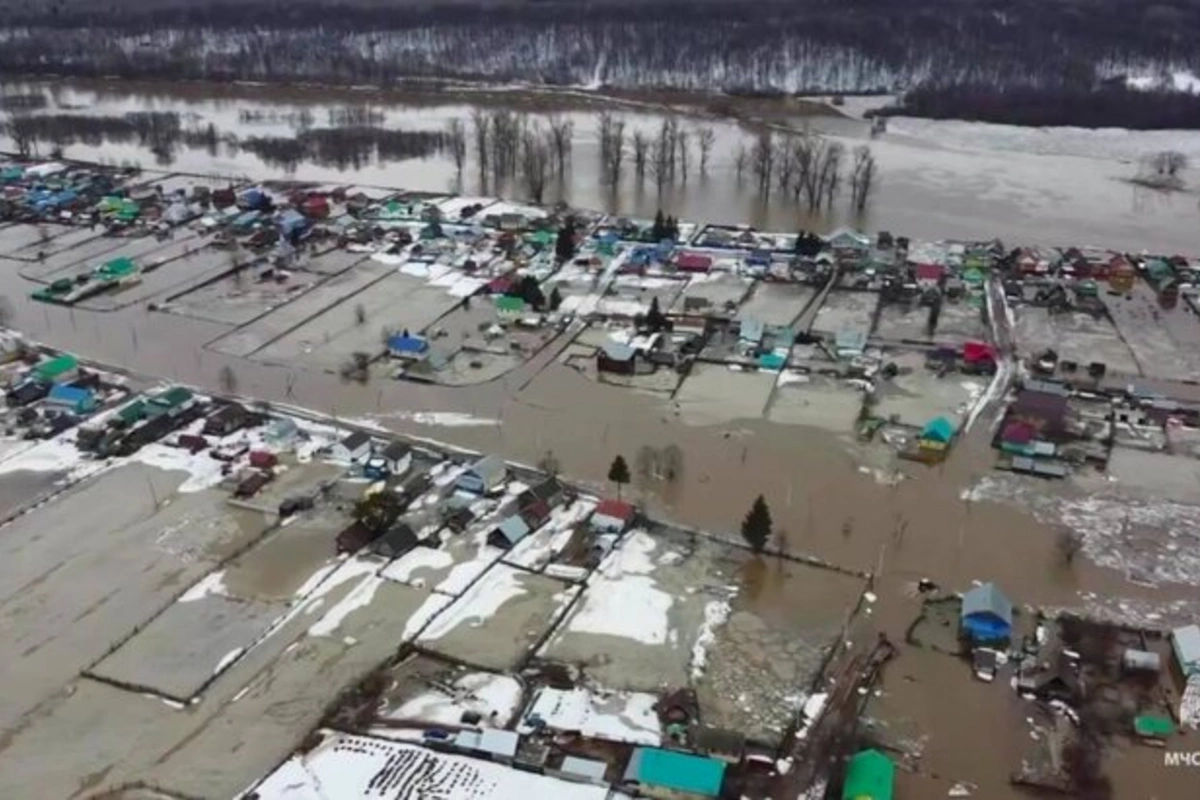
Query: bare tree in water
x=683 y=150
x=762 y=161
x=739 y=163
x=612 y=148
x=641 y=145
x=862 y=177
x=535 y=163
x=705 y=137
x=456 y=141
x=562 y=132
x=481 y=127
x=228 y=380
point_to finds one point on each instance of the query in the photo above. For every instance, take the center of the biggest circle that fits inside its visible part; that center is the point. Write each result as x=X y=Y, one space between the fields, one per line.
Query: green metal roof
x=506 y=303
x=56 y=366
x=117 y=268
x=1153 y=725
x=681 y=772
x=175 y=396
x=133 y=412
x=869 y=776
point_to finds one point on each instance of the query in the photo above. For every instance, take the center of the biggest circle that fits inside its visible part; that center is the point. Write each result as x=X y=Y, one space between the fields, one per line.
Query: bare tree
x=456 y=141
x=660 y=159
x=562 y=132
x=645 y=465
x=862 y=177
x=785 y=163
x=536 y=162
x=762 y=161
x=228 y=380
x=831 y=171
x=549 y=463
x=1168 y=162
x=705 y=137
x=6 y=312
x=641 y=144
x=612 y=147
x=20 y=128
x=481 y=126
x=681 y=143
x=739 y=162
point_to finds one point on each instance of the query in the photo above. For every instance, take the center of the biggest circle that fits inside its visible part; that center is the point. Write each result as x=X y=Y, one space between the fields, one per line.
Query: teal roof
x=680 y=772
x=939 y=429
x=870 y=775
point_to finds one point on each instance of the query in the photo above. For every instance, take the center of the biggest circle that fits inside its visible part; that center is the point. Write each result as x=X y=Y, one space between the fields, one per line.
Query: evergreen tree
x=618 y=473
x=564 y=246
x=756 y=527
x=655 y=320
x=658 y=230
x=556 y=299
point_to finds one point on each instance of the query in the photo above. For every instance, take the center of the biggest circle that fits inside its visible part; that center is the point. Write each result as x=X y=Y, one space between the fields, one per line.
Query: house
x=979 y=358
x=693 y=262
x=549 y=491
x=408 y=347
x=229 y=419
x=509 y=308
x=1044 y=411
x=536 y=514
x=1121 y=275
x=848 y=241
x=395 y=541
x=282 y=432
x=1185 y=644
x=484 y=477
x=937 y=434
x=26 y=392
x=583 y=769
x=263 y=459
x=355 y=447
x=1043 y=467
x=509 y=532
x=1017 y=437
x=397 y=457
x=870 y=775
x=617 y=358
x=612 y=516
x=61 y=369
x=495 y=744
x=171 y=402
x=75 y=399
x=671 y=774
x=750 y=334
x=986 y=614
x=292 y=224
x=928 y=276
x=850 y=343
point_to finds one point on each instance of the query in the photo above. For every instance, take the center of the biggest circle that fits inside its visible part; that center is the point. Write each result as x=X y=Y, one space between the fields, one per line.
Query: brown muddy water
x=979 y=183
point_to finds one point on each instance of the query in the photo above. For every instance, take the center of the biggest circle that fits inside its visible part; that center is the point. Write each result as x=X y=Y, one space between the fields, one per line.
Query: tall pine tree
x=756 y=527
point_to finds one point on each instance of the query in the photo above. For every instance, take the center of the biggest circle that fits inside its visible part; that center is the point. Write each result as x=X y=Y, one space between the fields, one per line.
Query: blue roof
x=292 y=220
x=681 y=772
x=987 y=599
x=407 y=344
x=751 y=330
x=514 y=529
x=70 y=394
x=939 y=429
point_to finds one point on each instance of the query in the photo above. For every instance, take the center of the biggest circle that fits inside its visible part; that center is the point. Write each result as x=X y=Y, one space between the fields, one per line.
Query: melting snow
x=716 y=613
x=419 y=558
x=228 y=659
x=622 y=598
x=204 y=471
x=618 y=716
x=211 y=584
x=478 y=603
x=495 y=698
x=432 y=606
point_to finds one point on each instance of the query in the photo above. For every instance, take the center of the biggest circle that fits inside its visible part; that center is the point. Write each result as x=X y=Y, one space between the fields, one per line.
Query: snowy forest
x=1050 y=56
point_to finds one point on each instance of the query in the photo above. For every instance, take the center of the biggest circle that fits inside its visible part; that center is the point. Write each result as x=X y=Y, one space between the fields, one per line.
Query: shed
x=938 y=431
x=616 y=358
x=612 y=516
x=396 y=541
x=354 y=447
x=26 y=392
x=870 y=775
x=693 y=262
x=727 y=745
x=75 y=399
x=1185 y=643
x=850 y=343
x=509 y=532
x=750 y=332
x=397 y=457
x=509 y=307
x=171 y=402
x=499 y=745
x=1140 y=661
x=263 y=459
x=485 y=476
x=986 y=614
x=651 y=769
x=588 y=769
x=59 y=369
x=1153 y=726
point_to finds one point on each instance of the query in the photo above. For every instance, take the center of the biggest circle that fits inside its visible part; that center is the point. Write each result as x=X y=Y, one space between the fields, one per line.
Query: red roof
x=615 y=509
x=693 y=262
x=500 y=285
x=929 y=272
x=978 y=351
x=1018 y=433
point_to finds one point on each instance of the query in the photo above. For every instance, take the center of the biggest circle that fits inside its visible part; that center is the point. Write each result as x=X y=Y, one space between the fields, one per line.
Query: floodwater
x=827 y=506
x=937 y=179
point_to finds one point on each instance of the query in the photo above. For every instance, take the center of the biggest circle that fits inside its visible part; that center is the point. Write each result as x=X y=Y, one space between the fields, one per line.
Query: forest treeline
x=1087 y=106
x=792 y=46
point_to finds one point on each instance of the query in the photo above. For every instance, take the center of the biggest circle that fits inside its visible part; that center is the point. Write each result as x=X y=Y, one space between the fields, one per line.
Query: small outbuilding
x=395 y=541
x=75 y=399
x=987 y=615
x=870 y=775
x=484 y=477
x=509 y=532
x=408 y=347
x=352 y=449
x=1185 y=643
x=671 y=774
x=612 y=516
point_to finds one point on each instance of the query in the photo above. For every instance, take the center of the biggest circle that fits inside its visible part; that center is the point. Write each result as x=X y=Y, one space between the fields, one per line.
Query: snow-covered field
x=613 y=716
x=346 y=767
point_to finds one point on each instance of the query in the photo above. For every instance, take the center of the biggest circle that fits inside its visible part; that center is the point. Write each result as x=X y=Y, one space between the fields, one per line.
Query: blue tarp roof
x=406 y=344
x=987 y=599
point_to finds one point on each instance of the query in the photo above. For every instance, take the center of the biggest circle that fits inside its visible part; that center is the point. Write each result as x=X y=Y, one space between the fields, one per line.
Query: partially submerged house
x=672 y=775
x=1045 y=412
x=353 y=448
x=987 y=615
x=616 y=358
x=484 y=476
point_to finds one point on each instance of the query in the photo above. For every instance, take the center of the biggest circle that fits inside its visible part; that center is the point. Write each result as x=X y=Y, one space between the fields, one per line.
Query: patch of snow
x=433 y=605
x=227 y=659
x=211 y=584
x=347 y=767
x=51 y=455
x=443 y=419
x=204 y=471
x=813 y=706
x=495 y=698
x=358 y=597
x=622 y=598
x=478 y=603
x=540 y=547
x=404 y=569
x=614 y=716
x=716 y=613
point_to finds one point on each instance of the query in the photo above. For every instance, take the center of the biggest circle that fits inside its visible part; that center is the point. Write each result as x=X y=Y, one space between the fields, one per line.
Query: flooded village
x=321 y=488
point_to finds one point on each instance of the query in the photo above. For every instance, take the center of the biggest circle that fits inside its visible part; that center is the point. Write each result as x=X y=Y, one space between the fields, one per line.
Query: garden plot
x=625 y=717
x=1164 y=342
x=451 y=568
x=715 y=393
x=713 y=293
x=777 y=304
x=542 y=546
x=918 y=396
x=1075 y=336
x=351 y=767
x=642 y=612
x=427 y=691
x=237 y=299
x=63 y=239
x=900 y=322
x=845 y=311
x=960 y=322
x=22 y=242
x=816 y=401
x=85 y=256
x=498 y=619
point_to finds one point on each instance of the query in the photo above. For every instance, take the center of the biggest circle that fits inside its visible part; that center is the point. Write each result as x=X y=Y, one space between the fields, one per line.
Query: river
x=966 y=184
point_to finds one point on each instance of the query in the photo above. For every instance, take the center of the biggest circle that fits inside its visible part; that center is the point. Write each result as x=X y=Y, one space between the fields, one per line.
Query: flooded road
x=925 y=526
